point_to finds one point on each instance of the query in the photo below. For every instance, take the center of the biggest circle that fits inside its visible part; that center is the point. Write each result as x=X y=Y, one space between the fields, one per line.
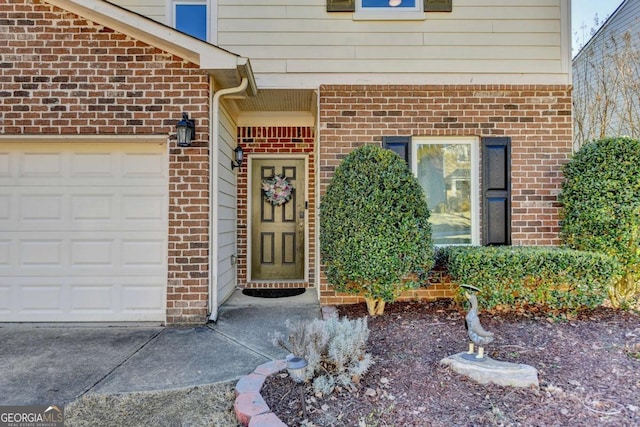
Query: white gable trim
x=206 y=56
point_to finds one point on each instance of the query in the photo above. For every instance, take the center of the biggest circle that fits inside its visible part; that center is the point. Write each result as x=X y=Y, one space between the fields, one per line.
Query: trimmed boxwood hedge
x=374 y=227
x=517 y=276
x=601 y=208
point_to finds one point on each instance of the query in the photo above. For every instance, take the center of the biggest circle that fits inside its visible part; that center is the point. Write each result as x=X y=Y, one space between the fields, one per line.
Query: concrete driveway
x=55 y=364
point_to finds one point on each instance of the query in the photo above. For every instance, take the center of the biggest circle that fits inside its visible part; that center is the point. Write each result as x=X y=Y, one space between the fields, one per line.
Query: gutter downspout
x=213 y=189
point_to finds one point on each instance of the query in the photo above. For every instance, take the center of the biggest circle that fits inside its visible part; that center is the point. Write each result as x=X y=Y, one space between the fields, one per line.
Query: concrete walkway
x=57 y=363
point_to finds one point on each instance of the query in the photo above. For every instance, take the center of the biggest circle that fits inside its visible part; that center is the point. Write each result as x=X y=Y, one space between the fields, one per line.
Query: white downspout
x=213 y=189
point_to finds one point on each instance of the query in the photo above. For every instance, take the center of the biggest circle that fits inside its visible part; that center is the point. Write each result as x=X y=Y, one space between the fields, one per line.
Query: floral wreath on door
x=277 y=190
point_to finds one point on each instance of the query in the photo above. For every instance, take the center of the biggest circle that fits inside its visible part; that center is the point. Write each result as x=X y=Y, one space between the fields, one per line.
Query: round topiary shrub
x=601 y=208
x=374 y=227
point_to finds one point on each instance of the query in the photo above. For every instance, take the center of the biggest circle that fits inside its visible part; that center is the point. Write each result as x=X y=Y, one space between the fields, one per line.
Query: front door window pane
x=444 y=172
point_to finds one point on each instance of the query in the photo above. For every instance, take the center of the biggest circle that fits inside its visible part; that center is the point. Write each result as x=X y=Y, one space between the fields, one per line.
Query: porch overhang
x=279 y=107
x=227 y=68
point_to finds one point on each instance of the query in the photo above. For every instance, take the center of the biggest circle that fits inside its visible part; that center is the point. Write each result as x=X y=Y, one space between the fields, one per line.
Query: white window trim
x=475 y=175
x=212 y=8
x=389 y=13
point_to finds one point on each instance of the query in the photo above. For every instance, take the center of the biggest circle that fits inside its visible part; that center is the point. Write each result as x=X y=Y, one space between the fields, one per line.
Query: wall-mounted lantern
x=185 y=131
x=238 y=156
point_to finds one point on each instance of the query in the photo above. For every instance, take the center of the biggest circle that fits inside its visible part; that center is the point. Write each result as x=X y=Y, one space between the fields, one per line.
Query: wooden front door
x=278 y=232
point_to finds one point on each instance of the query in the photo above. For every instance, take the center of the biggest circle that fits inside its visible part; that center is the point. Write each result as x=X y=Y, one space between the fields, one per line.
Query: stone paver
x=249 y=405
x=494 y=371
x=251 y=383
x=266 y=420
x=271 y=368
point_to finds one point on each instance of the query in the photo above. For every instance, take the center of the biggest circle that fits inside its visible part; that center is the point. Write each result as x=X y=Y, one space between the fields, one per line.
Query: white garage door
x=83 y=232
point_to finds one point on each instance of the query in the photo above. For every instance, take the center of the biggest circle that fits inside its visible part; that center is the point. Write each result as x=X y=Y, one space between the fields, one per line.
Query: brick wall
x=276 y=140
x=61 y=74
x=536 y=117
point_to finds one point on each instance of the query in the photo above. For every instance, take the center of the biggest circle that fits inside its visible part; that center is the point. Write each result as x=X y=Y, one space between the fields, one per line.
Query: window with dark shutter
x=350 y=5
x=448 y=170
x=496 y=190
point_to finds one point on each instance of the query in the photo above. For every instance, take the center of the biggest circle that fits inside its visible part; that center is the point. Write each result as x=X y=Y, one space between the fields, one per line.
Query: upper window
x=191 y=17
x=389 y=9
x=389 y=5
x=383 y=7
x=448 y=171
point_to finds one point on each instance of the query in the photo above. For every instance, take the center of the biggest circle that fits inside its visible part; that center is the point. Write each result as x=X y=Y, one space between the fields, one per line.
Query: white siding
x=298 y=44
x=154 y=9
x=290 y=42
x=226 y=206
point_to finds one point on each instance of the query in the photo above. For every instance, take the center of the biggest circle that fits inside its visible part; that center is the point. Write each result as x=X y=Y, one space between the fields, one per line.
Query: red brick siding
x=536 y=117
x=61 y=74
x=280 y=140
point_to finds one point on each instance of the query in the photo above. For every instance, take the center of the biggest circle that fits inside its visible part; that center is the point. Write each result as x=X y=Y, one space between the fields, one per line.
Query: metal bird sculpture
x=478 y=335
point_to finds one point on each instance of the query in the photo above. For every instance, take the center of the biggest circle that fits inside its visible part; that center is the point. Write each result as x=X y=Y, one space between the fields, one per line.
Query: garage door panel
x=54 y=254
x=84 y=232
x=101 y=209
x=39 y=253
x=92 y=207
x=140 y=298
x=42 y=207
x=89 y=164
x=138 y=254
x=5 y=164
x=6 y=202
x=6 y=300
x=47 y=299
x=88 y=298
x=36 y=299
x=138 y=208
x=143 y=165
x=42 y=297
x=41 y=164
x=92 y=253
x=5 y=254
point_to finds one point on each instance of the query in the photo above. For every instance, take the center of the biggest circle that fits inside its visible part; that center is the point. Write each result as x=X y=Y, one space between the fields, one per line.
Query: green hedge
x=374 y=226
x=555 y=278
x=601 y=208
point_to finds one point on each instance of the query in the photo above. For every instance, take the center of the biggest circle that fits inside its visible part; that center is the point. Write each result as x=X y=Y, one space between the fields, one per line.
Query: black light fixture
x=185 y=131
x=238 y=155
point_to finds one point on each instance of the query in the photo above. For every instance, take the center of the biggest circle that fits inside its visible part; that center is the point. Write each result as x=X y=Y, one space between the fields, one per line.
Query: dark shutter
x=401 y=145
x=341 y=5
x=496 y=191
x=438 y=5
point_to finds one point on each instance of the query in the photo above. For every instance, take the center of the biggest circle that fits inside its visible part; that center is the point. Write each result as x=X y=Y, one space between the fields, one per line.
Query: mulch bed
x=588 y=368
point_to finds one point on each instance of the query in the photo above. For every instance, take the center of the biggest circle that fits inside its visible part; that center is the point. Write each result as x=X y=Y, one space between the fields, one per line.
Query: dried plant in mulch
x=209 y=405
x=588 y=366
x=335 y=350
